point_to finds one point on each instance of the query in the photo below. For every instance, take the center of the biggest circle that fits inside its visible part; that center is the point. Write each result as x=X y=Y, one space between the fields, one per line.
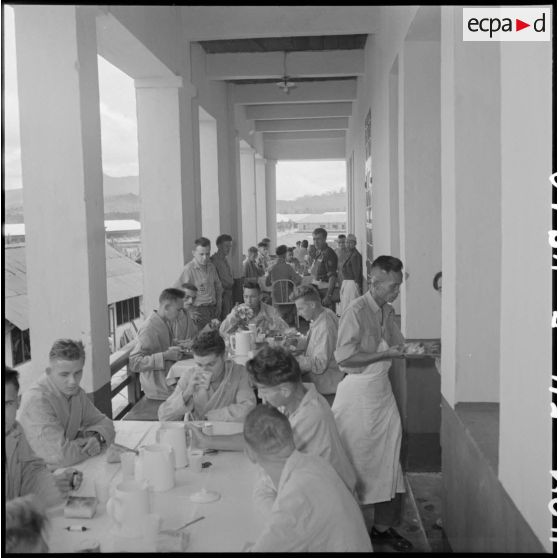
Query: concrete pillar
x=525 y=342
x=63 y=186
x=419 y=187
x=170 y=196
x=248 y=195
x=261 y=205
x=209 y=176
x=471 y=224
x=271 y=200
x=229 y=184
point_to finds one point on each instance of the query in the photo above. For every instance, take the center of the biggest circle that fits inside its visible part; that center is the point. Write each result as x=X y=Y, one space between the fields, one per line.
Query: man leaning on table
x=154 y=352
x=61 y=423
x=313 y=511
x=201 y=272
x=211 y=387
x=318 y=363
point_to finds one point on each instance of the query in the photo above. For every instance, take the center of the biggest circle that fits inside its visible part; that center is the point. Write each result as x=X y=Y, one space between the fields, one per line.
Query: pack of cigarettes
x=80 y=506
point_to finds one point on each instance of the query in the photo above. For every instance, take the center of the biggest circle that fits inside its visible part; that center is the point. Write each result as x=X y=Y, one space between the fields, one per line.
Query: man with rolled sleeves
x=324 y=268
x=202 y=273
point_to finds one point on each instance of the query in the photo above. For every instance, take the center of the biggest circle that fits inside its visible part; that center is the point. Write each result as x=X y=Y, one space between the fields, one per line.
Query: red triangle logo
x=519 y=25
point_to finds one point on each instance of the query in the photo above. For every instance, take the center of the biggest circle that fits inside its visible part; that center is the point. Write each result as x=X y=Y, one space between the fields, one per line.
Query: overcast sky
x=119 y=132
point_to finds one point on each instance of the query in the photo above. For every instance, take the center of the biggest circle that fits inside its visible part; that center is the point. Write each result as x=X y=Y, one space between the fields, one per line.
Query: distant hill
x=331 y=201
x=121 y=196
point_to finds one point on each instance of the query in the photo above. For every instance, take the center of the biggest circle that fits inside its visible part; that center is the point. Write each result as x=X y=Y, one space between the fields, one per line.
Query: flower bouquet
x=243 y=314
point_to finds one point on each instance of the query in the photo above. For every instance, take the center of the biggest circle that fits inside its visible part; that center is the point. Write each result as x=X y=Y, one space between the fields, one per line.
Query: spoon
x=189 y=523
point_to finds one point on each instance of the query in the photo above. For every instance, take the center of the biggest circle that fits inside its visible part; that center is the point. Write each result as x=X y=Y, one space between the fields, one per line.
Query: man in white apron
x=364 y=408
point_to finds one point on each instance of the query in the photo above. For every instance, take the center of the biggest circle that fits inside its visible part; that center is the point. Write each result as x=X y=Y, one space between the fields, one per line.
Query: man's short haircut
x=11 y=376
x=262 y=244
x=202 y=241
x=25 y=522
x=171 y=295
x=290 y=249
x=298 y=242
x=190 y=287
x=272 y=366
x=304 y=243
x=252 y=250
x=341 y=237
x=223 y=238
x=67 y=349
x=252 y=285
x=281 y=250
x=207 y=343
x=320 y=231
x=267 y=430
x=306 y=292
x=387 y=264
x=266 y=240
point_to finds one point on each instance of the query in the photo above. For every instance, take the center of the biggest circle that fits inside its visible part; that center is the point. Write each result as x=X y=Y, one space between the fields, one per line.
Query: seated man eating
x=266 y=317
x=213 y=388
x=313 y=511
x=25 y=472
x=61 y=423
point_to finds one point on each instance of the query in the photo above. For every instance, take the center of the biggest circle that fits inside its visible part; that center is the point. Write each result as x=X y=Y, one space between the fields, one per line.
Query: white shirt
x=313 y=512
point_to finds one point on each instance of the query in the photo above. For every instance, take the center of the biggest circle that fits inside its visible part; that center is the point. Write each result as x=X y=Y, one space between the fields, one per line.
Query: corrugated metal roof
x=330 y=217
x=124 y=280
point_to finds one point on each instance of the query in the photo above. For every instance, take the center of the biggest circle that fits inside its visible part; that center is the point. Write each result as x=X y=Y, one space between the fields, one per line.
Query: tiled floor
x=427 y=493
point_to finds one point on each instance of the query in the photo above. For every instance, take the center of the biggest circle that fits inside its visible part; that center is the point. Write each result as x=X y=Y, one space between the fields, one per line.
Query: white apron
x=348 y=292
x=369 y=425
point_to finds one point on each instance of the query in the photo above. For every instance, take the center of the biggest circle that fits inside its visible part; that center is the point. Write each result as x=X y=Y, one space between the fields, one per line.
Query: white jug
x=173 y=434
x=128 y=505
x=241 y=342
x=155 y=465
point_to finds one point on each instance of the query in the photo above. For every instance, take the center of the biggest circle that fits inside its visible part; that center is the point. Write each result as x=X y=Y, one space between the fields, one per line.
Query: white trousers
x=348 y=292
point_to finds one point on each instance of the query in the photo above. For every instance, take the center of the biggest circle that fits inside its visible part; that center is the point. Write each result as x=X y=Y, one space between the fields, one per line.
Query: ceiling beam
x=207 y=23
x=306 y=135
x=298 y=110
x=305 y=149
x=269 y=65
x=301 y=124
x=311 y=91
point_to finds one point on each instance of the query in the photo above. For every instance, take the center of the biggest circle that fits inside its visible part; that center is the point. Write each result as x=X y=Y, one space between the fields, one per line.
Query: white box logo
x=506 y=24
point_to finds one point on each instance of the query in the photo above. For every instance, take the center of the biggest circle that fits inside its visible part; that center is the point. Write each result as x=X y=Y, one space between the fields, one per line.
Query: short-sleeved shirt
x=361 y=330
x=282 y=270
x=206 y=280
x=325 y=265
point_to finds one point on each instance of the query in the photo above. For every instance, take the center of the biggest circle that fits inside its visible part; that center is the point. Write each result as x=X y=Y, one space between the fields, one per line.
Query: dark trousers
x=388 y=513
x=227 y=304
x=207 y=313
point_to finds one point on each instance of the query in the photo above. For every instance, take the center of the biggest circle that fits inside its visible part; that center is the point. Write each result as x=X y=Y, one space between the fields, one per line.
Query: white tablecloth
x=228 y=525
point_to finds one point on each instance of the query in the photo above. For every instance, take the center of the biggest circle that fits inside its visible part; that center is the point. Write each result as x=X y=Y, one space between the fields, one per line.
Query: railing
x=119 y=360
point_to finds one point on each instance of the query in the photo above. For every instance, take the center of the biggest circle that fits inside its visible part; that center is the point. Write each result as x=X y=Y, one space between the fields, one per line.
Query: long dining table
x=230 y=522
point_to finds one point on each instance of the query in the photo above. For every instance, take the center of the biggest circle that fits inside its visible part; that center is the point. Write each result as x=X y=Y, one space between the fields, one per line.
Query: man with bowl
x=266 y=317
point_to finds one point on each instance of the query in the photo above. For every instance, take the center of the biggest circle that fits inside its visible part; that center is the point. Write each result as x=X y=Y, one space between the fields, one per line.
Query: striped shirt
x=206 y=280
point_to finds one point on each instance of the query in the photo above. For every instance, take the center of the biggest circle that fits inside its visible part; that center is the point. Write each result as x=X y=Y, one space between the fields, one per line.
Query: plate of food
x=420 y=349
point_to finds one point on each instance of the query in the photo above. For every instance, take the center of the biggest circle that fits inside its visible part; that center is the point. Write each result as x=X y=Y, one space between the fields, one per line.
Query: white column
x=63 y=186
x=261 y=206
x=419 y=187
x=170 y=196
x=471 y=222
x=271 y=200
x=209 y=177
x=525 y=343
x=248 y=195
